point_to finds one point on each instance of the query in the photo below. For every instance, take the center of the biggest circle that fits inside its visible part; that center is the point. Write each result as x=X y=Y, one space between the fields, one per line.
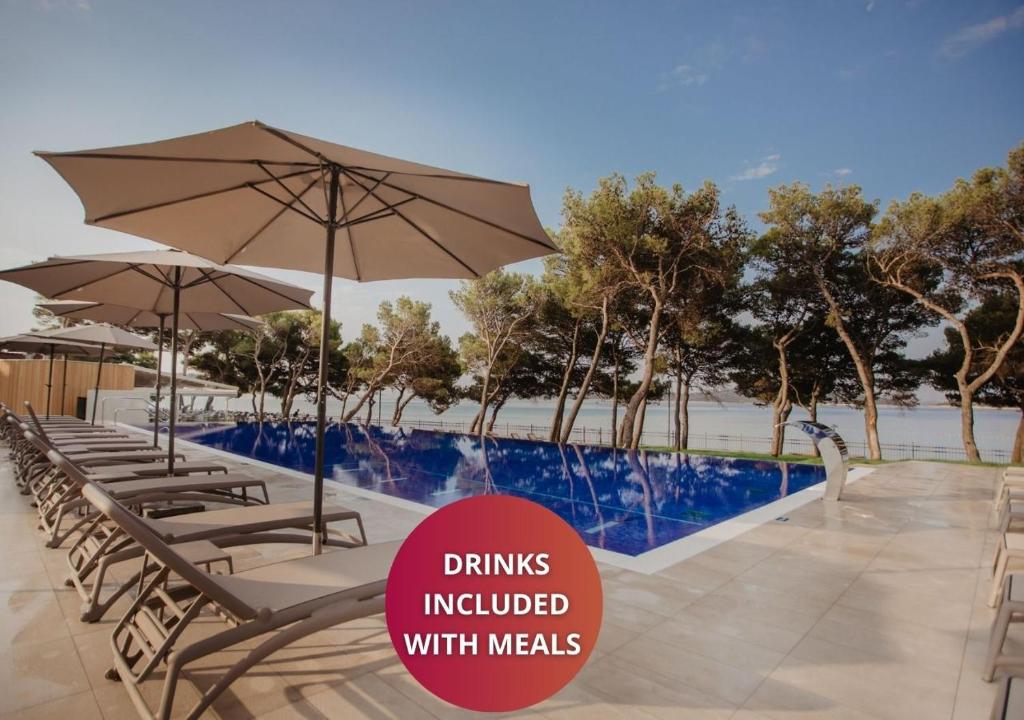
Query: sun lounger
x=37 y=476
x=100 y=545
x=1009 y=704
x=1010 y=611
x=1009 y=550
x=63 y=498
x=285 y=601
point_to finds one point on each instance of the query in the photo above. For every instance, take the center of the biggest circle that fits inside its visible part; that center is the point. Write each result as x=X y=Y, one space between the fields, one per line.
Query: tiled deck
x=874 y=610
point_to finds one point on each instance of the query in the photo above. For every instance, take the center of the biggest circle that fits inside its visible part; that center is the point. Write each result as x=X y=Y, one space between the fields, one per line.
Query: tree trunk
x=368 y=395
x=677 y=421
x=570 y=421
x=397 y=414
x=627 y=437
x=638 y=431
x=563 y=391
x=369 y=412
x=494 y=415
x=263 y=398
x=615 y=403
x=865 y=374
x=1018 y=444
x=683 y=416
x=812 y=415
x=476 y=421
x=782 y=405
x=780 y=414
x=483 y=401
x=399 y=409
x=967 y=420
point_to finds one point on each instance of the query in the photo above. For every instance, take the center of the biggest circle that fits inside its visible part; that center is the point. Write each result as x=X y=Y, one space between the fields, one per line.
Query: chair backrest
x=35 y=441
x=138 y=530
x=35 y=421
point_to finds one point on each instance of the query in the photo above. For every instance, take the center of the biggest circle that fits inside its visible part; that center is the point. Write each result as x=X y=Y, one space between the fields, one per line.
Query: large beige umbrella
x=135 y=317
x=256 y=195
x=106 y=336
x=30 y=343
x=165 y=282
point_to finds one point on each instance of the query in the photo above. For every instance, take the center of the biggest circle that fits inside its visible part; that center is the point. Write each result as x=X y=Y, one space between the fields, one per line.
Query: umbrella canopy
x=166 y=283
x=133 y=317
x=101 y=334
x=30 y=343
x=257 y=195
x=144 y=280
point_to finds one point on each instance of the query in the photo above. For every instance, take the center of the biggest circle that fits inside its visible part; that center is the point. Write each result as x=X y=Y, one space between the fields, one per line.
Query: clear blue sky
x=893 y=95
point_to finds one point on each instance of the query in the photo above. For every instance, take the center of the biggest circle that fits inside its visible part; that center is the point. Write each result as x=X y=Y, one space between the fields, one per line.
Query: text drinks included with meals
x=494 y=603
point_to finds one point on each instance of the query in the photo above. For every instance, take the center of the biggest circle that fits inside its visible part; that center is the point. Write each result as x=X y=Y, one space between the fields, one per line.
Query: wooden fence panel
x=22 y=380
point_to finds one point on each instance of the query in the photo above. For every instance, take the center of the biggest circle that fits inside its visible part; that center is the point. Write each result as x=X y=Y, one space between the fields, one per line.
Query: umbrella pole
x=96 y=390
x=49 y=384
x=159 y=377
x=325 y=359
x=174 y=373
x=63 y=384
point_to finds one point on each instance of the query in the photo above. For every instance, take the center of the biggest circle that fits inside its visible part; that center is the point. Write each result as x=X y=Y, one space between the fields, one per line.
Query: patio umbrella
x=30 y=343
x=166 y=282
x=106 y=336
x=134 y=317
x=257 y=195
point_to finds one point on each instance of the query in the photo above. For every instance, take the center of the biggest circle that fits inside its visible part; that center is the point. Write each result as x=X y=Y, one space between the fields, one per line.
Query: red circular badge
x=493 y=603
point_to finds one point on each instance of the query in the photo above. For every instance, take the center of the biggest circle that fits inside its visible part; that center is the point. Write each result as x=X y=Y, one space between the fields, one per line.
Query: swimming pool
x=624 y=502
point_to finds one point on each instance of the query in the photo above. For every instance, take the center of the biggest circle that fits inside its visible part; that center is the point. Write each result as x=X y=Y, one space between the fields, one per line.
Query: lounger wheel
x=112 y=674
x=68 y=582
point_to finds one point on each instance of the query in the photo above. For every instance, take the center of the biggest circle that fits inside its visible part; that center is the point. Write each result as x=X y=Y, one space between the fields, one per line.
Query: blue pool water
x=627 y=502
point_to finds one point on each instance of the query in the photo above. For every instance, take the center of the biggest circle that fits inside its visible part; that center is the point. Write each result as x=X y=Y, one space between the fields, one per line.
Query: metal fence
x=796 y=442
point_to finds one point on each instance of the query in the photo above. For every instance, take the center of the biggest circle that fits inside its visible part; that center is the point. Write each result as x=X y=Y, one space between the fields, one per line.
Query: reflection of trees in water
x=585 y=471
x=641 y=476
x=634 y=498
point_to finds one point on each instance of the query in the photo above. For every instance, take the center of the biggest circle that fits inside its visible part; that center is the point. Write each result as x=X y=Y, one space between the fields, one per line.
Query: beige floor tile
x=80 y=707
x=777 y=699
x=673 y=663
x=366 y=696
x=623 y=684
x=866 y=682
x=31 y=616
x=698 y=638
x=39 y=672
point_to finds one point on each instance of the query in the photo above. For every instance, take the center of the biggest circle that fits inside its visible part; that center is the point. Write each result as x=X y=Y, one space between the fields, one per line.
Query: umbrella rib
x=262 y=229
x=286 y=137
x=417 y=228
x=226 y=294
x=366 y=194
x=268 y=288
x=455 y=210
x=377 y=214
x=348 y=231
x=197 y=196
x=288 y=206
x=295 y=198
x=169 y=158
x=90 y=282
x=437 y=176
x=282 y=135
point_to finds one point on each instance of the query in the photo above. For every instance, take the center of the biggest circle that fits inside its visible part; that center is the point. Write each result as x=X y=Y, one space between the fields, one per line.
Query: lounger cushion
x=251 y=518
x=292 y=582
x=108 y=473
x=187 y=483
